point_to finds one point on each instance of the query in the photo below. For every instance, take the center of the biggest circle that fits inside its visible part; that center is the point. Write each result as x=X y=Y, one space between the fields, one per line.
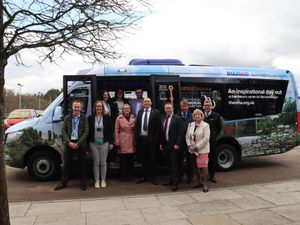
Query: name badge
x=73 y=136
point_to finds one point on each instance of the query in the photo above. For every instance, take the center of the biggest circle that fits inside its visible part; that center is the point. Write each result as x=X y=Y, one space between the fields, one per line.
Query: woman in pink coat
x=125 y=141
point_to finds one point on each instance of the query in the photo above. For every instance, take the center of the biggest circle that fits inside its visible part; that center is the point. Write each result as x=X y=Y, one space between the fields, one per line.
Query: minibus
x=259 y=109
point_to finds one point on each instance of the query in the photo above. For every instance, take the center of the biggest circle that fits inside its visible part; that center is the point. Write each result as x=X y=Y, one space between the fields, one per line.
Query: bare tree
x=90 y=28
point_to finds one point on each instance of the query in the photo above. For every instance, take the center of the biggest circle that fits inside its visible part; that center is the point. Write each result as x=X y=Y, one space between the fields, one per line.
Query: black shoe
x=198 y=186
x=174 y=188
x=60 y=186
x=213 y=180
x=167 y=184
x=154 y=181
x=141 y=180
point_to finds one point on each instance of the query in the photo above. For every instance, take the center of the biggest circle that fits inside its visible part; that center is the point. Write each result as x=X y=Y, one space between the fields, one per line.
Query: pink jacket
x=125 y=134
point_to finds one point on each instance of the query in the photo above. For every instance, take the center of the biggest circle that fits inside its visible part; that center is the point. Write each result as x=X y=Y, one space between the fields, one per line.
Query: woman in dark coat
x=101 y=141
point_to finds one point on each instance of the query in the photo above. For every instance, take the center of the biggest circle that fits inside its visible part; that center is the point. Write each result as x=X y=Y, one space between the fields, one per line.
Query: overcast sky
x=250 y=33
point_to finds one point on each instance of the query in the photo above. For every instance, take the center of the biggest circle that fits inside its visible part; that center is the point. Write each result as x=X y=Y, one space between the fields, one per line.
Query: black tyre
x=43 y=166
x=226 y=157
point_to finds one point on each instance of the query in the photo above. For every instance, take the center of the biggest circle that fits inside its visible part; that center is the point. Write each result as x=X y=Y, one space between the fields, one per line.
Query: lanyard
x=99 y=121
x=75 y=122
x=195 y=131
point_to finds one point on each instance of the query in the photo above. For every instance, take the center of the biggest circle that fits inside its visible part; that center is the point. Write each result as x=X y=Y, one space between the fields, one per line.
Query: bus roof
x=144 y=67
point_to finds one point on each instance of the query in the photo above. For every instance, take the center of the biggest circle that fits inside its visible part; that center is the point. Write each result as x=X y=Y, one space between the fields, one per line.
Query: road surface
x=251 y=171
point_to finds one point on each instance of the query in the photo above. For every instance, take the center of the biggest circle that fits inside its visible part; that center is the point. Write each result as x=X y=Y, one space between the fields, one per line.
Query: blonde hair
x=126 y=105
x=94 y=108
x=197 y=111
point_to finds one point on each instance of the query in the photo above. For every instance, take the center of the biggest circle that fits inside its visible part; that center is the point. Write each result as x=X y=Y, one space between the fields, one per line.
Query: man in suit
x=186 y=117
x=148 y=126
x=74 y=134
x=215 y=125
x=137 y=104
x=171 y=139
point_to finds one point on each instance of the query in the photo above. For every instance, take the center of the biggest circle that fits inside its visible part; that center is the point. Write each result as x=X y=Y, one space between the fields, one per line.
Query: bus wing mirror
x=57 y=116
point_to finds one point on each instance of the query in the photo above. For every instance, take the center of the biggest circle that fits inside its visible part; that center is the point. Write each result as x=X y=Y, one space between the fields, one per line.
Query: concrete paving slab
x=258 y=217
x=254 y=190
x=27 y=220
x=291 y=212
x=18 y=209
x=53 y=208
x=116 y=217
x=286 y=186
x=174 y=222
x=162 y=214
x=251 y=202
x=282 y=198
x=102 y=205
x=65 y=219
x=273 y=203
x=141 y=202
x=215 y=195
x=175 y=199
x=209 y=208
x=217 y=219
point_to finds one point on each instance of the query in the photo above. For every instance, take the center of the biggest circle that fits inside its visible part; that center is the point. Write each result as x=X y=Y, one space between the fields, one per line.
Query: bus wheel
x=43 y=166
x=226 y=157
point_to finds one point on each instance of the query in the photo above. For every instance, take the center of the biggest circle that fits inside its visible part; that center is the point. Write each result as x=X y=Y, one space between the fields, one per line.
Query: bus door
x=165 y=88
x=81 y=87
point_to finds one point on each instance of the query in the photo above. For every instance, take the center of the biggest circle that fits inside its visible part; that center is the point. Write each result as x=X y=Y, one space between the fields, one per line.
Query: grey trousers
x=99 y=153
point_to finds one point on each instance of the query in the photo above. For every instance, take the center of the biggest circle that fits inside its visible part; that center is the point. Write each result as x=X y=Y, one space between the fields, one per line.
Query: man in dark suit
x=186 y=117
x=148 y=126
x=215 y=125
x=171 y=139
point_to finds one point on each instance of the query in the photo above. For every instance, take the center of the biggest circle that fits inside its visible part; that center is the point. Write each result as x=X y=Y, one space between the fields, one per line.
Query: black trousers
x=126 y=165
x=172 y=158
x=188 y=170
x=68 y=163
x=147 y=151
x=212 y=163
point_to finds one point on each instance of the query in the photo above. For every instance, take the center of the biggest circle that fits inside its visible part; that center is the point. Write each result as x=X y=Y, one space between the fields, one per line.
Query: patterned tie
x=145 y=125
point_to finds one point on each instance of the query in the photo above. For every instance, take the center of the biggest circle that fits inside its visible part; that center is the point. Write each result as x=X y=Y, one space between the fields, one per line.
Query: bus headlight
x=13 y=136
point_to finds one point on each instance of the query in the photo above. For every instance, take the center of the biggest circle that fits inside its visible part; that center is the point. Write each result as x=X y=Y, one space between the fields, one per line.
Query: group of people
x=135 y=126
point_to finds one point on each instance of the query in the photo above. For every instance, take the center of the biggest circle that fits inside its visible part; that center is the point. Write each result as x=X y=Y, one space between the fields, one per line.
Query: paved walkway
x=265 y=204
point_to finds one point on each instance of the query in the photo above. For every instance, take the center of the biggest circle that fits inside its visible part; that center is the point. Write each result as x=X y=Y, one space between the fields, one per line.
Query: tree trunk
x=4 y=210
